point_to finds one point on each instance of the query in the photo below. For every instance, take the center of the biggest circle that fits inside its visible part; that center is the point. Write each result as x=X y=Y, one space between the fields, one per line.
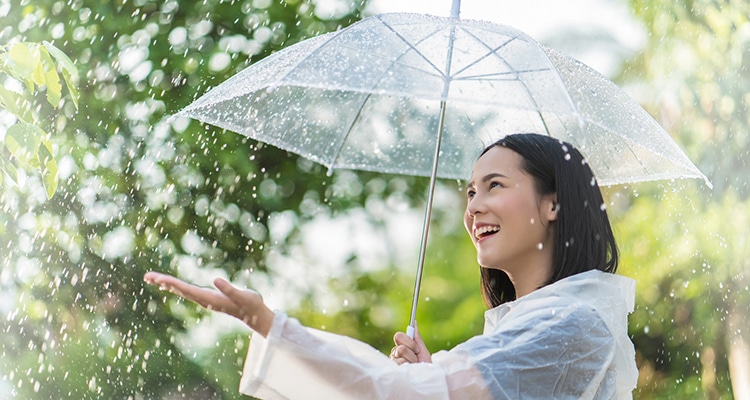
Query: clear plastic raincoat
x=567 y=340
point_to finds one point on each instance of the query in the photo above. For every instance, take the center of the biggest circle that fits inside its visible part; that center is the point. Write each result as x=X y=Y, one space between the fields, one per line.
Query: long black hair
x=584 y=238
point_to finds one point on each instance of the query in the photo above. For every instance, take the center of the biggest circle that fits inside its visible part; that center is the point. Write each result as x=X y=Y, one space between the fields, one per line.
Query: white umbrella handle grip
x=410 y=331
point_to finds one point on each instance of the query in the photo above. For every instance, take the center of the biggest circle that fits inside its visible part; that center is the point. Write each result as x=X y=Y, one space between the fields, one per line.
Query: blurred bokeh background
x=98 y=188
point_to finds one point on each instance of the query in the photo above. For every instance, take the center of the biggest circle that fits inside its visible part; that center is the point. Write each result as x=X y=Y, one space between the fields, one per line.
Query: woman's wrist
x=262 y=321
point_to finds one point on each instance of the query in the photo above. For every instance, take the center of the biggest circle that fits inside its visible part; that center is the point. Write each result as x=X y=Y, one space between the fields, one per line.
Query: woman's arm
x=246 y=305
x=290 y=361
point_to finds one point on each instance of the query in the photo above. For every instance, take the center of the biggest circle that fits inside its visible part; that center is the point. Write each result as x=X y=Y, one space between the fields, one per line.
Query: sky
x=601 y=33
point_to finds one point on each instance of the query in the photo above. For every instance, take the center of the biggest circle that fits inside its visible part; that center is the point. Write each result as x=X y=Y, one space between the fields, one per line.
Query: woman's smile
x=482 y=231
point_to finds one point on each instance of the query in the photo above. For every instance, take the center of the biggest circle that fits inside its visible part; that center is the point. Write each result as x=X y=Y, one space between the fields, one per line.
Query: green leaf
x=48 y=167
x=69 y=71
x=24 y=59
x=23 y=140
x=16 y=104
x=7 y=167
x=54 y=87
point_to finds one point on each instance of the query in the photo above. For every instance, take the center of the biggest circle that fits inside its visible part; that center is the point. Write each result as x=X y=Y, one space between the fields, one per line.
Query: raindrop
x=540 y=246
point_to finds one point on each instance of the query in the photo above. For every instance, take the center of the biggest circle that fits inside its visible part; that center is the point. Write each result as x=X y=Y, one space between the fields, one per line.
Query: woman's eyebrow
x=492 y=176
x=486 y=178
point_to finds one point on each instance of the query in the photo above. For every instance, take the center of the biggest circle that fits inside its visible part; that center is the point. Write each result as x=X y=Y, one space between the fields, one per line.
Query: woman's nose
x=474 y=206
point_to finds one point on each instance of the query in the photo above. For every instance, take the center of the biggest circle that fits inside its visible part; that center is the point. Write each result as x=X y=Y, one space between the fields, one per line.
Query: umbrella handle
x=410 y=331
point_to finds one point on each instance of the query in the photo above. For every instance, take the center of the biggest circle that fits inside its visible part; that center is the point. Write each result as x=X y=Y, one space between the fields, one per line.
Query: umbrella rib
x=560 y=80
x=489 y=53
x=302 y=59
x=484 y=76
x=349 y=131
x=416 y=51
x=400 y=63
x=531 y=97
x=368 y=94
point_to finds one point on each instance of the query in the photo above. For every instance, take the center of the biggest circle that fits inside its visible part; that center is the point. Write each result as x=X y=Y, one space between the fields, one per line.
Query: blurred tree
x=139 y=194
x=687 y=246
x=27 y=68
x=378 y=303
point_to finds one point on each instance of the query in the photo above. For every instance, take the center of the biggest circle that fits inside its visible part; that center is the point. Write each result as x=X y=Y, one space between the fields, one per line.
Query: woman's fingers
x=408 y=349
x=401 y=354
x=251 y=309
x=423 y=355
x=246 y=305
x=402 y=339
x=208 y=298
x=405 y=350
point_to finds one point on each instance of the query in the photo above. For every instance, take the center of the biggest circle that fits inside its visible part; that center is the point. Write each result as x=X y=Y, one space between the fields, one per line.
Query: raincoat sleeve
x=549 y=350
x=295 y=362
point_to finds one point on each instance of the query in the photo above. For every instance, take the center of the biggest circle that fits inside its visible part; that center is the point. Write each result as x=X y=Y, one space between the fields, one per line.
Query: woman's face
x=508 y=221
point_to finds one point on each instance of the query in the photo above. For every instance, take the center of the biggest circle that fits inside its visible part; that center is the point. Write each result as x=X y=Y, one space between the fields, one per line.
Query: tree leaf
x=38 y=76
x=24 y=59
x=52 y=79
x=16 y=104
x=23 y=140
x=48 y=167
x=69 y=71
x=7 y=167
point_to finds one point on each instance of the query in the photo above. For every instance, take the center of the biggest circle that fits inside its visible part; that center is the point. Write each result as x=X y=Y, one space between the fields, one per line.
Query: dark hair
x=584 y=238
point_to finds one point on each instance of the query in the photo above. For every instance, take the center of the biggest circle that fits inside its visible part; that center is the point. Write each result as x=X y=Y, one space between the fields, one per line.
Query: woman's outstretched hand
x=408 y=350
x=246 y=305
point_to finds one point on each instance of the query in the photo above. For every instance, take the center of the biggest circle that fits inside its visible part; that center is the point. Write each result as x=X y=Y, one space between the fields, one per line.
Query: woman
x=557 y=324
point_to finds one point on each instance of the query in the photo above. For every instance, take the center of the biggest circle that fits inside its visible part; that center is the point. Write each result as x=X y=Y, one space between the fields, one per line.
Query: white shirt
x=567 y=340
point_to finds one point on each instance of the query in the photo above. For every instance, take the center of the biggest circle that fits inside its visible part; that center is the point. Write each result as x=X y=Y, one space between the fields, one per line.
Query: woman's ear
x=550 y=206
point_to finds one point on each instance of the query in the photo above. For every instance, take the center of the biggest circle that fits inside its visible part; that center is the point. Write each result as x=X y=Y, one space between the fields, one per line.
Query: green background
x=77 y=321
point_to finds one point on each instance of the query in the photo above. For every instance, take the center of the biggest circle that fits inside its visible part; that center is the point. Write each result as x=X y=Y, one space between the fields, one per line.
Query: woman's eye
x=470 y=193
x=495 y=184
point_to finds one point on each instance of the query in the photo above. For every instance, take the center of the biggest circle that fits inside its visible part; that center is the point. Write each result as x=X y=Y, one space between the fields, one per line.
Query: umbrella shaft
x=433 y=178
x=426 y=224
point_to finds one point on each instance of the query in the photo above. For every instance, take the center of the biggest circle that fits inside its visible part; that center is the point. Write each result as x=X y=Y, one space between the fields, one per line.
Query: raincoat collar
x=613 y=298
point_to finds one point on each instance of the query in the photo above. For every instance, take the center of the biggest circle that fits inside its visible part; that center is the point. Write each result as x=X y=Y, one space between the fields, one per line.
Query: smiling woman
x=561 y=188
x=557 y=324
x=510 y=224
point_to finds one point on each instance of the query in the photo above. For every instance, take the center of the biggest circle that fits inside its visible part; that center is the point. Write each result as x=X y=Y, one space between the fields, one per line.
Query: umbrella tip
x=456 y=9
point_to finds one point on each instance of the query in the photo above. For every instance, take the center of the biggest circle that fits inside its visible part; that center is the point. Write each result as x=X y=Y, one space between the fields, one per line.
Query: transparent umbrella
x=423 y=95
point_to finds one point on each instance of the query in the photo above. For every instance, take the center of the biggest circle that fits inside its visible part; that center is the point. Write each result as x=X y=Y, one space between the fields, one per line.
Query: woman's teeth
x=486 y=230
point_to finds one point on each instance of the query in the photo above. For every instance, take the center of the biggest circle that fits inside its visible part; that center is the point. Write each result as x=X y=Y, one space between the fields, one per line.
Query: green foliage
x=687 y=245
x=695 y=64
x=26 y=144
x=377 y=304
x=138 y=194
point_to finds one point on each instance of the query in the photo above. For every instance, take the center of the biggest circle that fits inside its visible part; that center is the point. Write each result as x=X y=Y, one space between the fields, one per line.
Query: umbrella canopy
x=368 y=96
x=423 y=95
